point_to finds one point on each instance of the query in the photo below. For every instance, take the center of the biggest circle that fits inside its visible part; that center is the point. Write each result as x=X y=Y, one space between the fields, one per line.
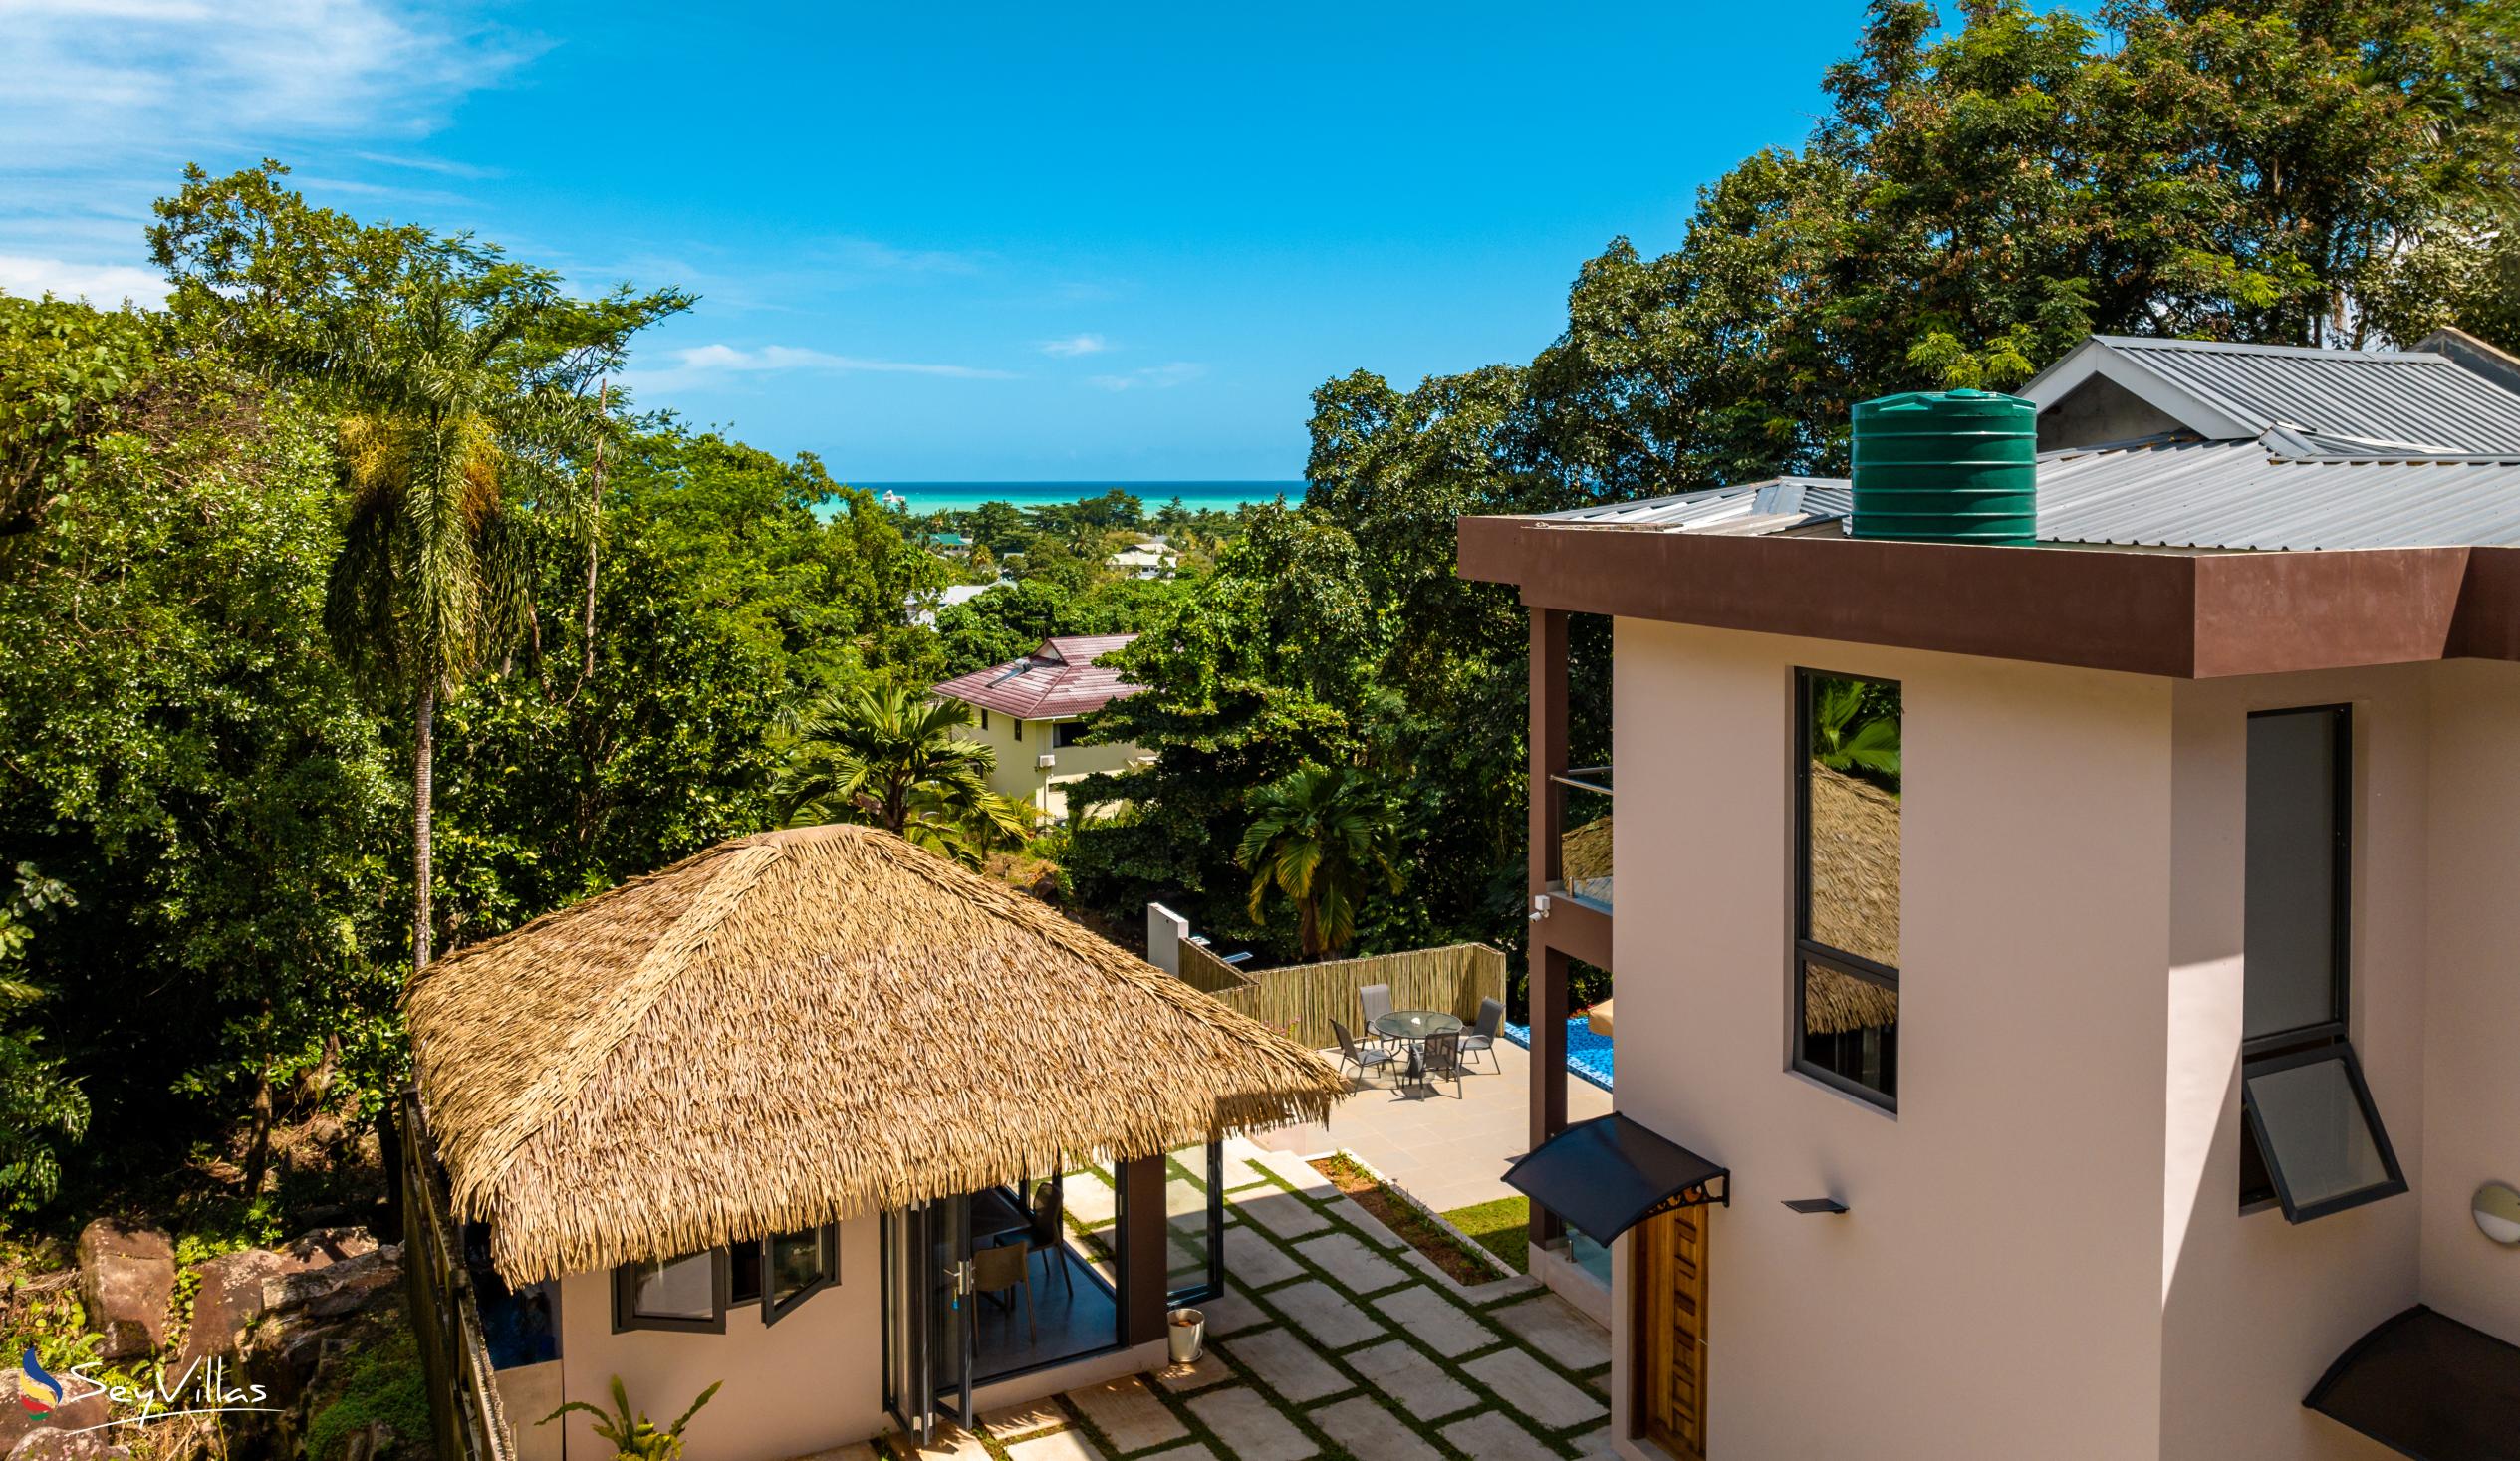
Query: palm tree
x=1319 y=835
x=1850 y=736
x=889 y=755
x=432 y=580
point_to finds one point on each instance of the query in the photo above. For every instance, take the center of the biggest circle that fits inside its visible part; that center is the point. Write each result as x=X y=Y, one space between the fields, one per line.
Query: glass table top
x=1416 y=1024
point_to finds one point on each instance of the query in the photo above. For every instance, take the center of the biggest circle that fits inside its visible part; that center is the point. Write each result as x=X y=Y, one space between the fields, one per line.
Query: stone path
x=1338 y=1341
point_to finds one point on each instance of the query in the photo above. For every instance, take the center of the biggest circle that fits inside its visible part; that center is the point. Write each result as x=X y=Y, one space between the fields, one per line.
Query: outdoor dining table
x=1412 y=1027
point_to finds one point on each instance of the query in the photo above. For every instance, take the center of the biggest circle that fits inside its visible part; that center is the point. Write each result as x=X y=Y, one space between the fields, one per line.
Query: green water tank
x=1947 y=466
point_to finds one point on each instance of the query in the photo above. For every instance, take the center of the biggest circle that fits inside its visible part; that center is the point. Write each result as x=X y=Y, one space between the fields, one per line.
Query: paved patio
x=1446 y=1149
x=1336 y=1341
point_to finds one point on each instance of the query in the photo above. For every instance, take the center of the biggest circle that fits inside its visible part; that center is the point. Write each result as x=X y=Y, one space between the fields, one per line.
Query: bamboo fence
x=1302 y=999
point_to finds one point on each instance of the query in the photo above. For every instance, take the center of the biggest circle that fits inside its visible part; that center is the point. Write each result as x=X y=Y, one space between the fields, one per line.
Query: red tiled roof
x=1059 y=678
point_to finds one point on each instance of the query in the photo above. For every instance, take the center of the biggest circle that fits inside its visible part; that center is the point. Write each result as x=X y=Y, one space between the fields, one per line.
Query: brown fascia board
x=2187 y=616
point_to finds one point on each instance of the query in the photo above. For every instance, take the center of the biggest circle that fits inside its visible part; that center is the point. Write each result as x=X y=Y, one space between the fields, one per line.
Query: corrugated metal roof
x=1058 y=679
x=1783 y=502
x=2212 y=495
x=2349 y=400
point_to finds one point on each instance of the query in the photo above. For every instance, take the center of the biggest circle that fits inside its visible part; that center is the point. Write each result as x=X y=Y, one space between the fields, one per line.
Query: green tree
x=1321 y=837
x=889 y=754
x=39 y=1106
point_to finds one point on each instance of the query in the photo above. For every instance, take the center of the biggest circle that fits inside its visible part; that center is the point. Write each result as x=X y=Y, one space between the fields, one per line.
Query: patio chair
x=1045 y=1235
x=1441 y=1059
x=1376 y=999
x=1482 y=1036
x=1366 y=1058
x=1002 y=1270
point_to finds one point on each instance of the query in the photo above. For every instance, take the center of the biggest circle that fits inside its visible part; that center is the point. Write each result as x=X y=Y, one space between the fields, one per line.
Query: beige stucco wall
x=2471 y=1063
x=2255 y=1309
x=1995 y=1291
x=1019 y=774
x=813 y=1381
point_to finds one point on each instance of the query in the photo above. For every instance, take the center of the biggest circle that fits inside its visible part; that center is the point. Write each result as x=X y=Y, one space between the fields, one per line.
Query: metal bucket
x=1186 y=1332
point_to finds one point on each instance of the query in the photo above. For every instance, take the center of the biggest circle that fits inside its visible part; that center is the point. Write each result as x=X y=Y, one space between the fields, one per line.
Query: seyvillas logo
x=37 y=1392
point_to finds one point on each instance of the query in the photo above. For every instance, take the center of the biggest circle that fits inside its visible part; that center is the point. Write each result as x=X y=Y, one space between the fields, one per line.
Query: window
x=1017 y=722
x=795 y=1267
x=2311 y=1135
x=686 y=1292
x=693 y=1292
x=1845 y=895
x=1066 y=733
x=984 y=717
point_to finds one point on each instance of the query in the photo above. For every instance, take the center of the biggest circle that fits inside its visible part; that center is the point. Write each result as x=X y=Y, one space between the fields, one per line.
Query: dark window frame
x=2391 y=1185
x=827 y=1237
x=1016 y=722
x=1066 y=733
x=984 y=717
x=2260 y=1189
x=625 y=1314
x=1807 y=951
x=1212 y=1286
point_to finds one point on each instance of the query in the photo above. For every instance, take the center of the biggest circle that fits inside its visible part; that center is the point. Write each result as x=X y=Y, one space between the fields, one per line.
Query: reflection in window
x=2322 y=1141
x=794 y=1266
x=1847 y=886
x=1195 y=1213
x=686 y=1292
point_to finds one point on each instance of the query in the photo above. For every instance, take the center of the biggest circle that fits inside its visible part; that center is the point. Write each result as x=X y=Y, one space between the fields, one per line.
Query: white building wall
x=1995 y=1290
x=2255 y=1309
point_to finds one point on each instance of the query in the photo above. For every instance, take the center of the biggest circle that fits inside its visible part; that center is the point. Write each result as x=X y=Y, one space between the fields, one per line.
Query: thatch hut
x=1853 y=900
x=799 y=1028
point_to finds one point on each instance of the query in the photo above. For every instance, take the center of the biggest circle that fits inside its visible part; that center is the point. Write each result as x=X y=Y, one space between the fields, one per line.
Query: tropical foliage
x=630 y=1434
x=888 y=755
x=1323 y=837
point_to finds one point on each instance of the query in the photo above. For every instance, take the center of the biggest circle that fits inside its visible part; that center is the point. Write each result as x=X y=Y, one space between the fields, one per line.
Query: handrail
x=463 y=1389
x=1571 y=777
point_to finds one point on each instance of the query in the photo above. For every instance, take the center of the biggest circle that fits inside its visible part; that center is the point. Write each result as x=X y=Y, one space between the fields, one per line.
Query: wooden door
x=1671 y=1330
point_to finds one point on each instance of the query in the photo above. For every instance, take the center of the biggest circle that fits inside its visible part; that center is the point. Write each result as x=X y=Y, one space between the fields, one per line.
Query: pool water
x=1587 y=1055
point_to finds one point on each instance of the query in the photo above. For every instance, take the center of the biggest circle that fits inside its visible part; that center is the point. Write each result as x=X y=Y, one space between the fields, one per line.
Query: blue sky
x=968 y=242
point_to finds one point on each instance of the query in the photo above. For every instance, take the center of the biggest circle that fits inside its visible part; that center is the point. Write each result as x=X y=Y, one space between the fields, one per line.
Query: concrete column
x=1167 y=931
x=1144 y=1263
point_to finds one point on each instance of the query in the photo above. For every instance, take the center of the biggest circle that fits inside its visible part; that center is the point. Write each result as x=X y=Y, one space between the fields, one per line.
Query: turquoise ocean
x=926 y=497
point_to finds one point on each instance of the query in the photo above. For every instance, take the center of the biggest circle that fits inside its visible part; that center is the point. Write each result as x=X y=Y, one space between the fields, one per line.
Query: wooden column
x=1146 y=1269
x=1547 y=962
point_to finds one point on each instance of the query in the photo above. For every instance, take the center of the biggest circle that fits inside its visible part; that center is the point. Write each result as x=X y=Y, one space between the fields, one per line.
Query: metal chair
x=1364 y=1058
x=1044 y=1236
x=1441 y=1058
x=1377 y=1000
x=1482 y=1036
x=1001 y=1269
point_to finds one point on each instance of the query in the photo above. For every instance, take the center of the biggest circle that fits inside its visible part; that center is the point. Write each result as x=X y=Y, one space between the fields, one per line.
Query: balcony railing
x=1584 y=868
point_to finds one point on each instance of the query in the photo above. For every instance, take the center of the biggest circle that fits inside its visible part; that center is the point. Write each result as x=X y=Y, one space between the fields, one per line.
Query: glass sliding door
x=927 y=1315
x=1194 y=1222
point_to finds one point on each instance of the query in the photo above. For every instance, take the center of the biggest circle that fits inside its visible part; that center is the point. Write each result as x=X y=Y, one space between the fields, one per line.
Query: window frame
x=625 y=1314
x=827 y=1239
x=2342 y=1051
x=1806 y=951
x=2332 y=1029
x=1066 y=733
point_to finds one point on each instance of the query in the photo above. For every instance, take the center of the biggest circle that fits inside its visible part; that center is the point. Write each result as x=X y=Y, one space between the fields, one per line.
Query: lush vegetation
x=348 y=612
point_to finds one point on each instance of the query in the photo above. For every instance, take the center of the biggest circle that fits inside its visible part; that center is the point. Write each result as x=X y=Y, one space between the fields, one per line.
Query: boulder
x=238 y=1289
x=18 y=1430
x=53 y=1444
x=127 y=1277
x=336 y=1289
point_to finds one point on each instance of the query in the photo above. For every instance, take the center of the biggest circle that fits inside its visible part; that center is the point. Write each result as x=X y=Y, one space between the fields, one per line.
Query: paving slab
x=1230 y=1312
x=1246 y=1421
x=1367 y=1226
x=1368 y=1429
x=1194 y=1451
x=1556 y=1328
x=1241 y=1163
x=1198 y=1374
x=1437 y=1321
x=951 y=1441
x=1297 y=1173
x=1023 y=1419
x=1064 y=1445
x=1254 y=1262
x=1129 y=1414
x=1326 y=1314
x=1359 y=1268
x=1279 y=1211
x=1531 y=1388
x=1286 y=1363
x=1492 y=1435
x=1089 y=1199
x=1418 y=1384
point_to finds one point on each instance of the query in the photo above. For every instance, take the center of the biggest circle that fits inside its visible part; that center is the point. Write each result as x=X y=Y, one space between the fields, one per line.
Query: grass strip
x=1502 y=1227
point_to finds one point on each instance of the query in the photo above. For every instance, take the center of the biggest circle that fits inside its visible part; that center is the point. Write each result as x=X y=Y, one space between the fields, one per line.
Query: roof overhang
x=2426 y=1385
x=1607 y=1174
x=2188 y=616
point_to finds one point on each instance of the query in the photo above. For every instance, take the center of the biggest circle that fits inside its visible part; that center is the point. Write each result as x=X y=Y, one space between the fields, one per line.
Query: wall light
x=2497 y=1212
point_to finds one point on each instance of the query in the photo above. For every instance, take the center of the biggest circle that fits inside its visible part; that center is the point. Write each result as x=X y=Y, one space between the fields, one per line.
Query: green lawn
x=1502 y=1227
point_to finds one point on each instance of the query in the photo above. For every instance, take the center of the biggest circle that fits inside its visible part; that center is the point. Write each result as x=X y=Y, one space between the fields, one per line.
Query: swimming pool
x=1587 y=1055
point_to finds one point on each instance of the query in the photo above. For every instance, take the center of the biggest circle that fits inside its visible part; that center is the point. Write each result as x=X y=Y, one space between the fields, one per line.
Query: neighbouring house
x=1032 y=712
x=952 y=544
x=1151 y=560
x=2064 y=979
x=925 y=606
x=793 y=1115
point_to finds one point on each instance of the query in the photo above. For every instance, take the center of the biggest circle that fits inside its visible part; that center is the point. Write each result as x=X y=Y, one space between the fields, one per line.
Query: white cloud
x=710 y=358
x=1076 y=344
x=1152 y=377
x=102 y=284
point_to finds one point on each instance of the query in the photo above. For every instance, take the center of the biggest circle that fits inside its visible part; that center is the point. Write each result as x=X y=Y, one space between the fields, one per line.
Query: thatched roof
x=1853 y=900
x=801 y=1027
